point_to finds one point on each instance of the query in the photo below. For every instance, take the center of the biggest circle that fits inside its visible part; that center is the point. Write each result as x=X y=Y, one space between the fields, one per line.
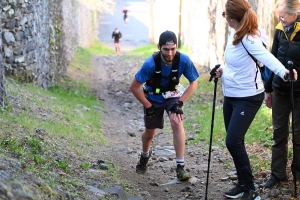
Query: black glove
x=177 y=108
x=213 y=72
x=150 y=112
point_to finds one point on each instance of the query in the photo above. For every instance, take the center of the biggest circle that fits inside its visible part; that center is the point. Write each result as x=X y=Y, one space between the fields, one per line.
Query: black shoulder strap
x=155 y=80
x=157 y=60
x=175 y=63
x=255 y=60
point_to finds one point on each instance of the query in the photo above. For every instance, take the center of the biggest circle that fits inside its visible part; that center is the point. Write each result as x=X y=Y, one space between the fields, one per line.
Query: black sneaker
x=250 y=195
x=141 y=167
x=272 y=181
x=182 y=175
x=235 y=192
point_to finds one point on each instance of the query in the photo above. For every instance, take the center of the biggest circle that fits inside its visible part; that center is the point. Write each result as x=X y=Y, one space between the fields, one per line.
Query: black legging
x=238 y=115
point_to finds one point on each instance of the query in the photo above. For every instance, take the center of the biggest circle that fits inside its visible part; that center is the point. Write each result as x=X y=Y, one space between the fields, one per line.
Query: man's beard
x=169 y=61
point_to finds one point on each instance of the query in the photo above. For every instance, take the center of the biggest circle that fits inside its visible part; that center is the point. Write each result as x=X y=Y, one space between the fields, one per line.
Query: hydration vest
x=154 y=82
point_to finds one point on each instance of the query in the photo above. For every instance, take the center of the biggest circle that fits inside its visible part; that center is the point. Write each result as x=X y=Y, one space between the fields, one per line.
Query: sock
x=145 y=154
x=180 y=161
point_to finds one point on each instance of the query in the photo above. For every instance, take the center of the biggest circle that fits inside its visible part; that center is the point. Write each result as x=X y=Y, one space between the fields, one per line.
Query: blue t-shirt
x=185 y=67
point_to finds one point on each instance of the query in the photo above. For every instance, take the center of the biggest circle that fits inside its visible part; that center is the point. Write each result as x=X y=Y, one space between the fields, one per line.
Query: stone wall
x=88 y=20
x=2 y=78
x=78 y=25
x=38 y=38
x=25 y=40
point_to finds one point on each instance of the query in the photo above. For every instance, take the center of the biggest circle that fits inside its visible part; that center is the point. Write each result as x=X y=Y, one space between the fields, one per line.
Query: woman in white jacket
x=243 y=88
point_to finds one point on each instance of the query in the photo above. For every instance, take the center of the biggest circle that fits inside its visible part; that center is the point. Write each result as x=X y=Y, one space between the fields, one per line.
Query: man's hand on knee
x=177 y=108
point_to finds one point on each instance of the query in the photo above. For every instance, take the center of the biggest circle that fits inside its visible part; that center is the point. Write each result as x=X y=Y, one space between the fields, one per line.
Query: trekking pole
x=212 y=74
x=294 y=163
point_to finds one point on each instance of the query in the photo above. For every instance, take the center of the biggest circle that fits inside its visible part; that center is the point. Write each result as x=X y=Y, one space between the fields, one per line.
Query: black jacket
x=286 y=47
x=116 y=36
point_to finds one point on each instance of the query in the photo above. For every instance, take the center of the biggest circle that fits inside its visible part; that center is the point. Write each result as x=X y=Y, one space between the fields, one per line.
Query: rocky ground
x=122 y=126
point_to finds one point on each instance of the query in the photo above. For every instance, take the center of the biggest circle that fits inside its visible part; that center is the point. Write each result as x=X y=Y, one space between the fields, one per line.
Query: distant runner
x=125 y=16
x=117 y=37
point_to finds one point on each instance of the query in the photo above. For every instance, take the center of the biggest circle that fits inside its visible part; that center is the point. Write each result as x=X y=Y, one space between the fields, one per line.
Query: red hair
x=243 y=13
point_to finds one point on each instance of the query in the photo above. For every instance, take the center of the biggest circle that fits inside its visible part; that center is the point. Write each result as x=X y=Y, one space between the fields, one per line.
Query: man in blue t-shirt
x=167 y=96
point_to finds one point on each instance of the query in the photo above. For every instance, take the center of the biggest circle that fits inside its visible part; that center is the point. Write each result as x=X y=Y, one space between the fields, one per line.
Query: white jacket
x=238 y=78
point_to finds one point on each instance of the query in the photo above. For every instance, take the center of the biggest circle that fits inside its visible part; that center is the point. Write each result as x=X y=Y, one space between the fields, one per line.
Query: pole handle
x=213 y=72
x=291 y=67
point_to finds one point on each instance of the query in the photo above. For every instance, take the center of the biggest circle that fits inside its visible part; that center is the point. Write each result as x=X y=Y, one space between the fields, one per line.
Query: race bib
x=177 y=93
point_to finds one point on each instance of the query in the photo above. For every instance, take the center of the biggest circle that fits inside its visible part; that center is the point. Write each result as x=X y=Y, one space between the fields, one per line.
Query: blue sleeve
x=188 y=68
x=146 y=71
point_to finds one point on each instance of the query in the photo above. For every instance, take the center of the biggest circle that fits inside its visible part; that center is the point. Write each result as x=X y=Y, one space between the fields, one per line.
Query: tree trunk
x=179 y=26
x=152 y=40
x=273 y=23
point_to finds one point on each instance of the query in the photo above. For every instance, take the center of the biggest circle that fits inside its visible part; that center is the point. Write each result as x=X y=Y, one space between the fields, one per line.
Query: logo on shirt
x=242 y=113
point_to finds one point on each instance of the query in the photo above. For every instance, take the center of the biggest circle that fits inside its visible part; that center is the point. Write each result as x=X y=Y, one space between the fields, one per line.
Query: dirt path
x=123 y=126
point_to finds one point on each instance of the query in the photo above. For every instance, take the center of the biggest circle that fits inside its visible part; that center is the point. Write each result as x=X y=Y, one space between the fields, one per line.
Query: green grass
x=47 y=120
x=261 y=127
x=85 y=165
x=82 y=61
x=144 y=51
x=81 y=64
x=198 y=110
x=100 y=49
